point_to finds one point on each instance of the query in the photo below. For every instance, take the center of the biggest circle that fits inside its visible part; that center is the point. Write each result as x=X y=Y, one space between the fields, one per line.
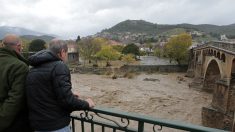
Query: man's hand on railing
x=90 y=102
x=76 y=94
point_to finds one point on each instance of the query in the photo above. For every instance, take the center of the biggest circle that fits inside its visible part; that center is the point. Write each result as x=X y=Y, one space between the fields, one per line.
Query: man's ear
x=62 y=50
x=59 y=54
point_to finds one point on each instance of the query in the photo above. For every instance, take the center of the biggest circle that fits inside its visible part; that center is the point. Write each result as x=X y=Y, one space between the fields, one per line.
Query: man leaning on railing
x=49 y=96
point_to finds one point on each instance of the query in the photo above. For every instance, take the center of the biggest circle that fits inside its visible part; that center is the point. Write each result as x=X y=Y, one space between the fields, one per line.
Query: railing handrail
x=157 y=121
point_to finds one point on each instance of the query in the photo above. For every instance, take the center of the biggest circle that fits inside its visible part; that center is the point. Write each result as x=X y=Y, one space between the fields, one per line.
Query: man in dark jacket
x=49 y=94
x=13 y=72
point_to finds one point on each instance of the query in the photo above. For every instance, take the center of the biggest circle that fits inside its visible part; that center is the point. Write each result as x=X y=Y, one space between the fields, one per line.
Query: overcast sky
x=69 y=18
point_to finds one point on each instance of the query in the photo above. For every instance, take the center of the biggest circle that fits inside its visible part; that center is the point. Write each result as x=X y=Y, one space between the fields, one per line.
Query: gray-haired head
x=56 y=46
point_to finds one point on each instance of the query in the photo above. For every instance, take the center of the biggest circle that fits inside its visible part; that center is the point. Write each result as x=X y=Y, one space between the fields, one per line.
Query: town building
x=73 y=54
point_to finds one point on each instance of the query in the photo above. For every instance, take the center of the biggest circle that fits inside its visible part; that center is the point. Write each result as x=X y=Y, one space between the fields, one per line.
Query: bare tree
x=88 y=48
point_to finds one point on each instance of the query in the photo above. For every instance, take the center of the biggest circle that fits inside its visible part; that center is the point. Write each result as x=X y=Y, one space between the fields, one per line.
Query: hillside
x=141 y=26
x=226 y=29
x=133 y=26
x=26 y=33
x=46 y=38
x=132 y=30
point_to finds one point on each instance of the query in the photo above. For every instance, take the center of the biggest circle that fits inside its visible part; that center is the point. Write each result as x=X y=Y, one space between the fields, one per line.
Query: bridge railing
x=219 y=44
x=104 y=119
x=224 y=45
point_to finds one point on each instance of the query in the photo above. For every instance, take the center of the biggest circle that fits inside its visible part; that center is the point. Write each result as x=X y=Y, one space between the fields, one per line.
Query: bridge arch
x=211 y=52
x=214 y=53
x=233 y=70
x=218 y=55
x=223 y=57
x=212 y=75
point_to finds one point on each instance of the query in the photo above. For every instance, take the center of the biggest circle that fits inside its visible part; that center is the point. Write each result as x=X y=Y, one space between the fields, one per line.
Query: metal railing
x=102 y=119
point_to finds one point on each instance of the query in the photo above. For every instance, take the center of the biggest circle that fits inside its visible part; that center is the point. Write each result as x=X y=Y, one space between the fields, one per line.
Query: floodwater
x=164 y=96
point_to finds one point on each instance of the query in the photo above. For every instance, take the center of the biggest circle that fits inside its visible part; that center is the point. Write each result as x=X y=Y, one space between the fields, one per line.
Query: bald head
x=13 y=41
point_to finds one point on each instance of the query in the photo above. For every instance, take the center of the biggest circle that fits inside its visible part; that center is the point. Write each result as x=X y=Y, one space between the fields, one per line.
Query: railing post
x=233 y=127
x=103 y=129
x=92 y=127
x=140 y=126
x=73 y=125
x=83 y=128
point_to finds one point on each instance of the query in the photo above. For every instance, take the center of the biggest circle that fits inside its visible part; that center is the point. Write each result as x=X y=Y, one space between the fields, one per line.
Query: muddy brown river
x=158 y=95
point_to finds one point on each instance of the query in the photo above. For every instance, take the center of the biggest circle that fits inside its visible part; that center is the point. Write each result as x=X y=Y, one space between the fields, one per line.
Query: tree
x=150 y=47
x=118 y=48
x=177 y=47
x=107 y=53
x=78 y=38
x=129 y=58
x=88 y=48
x=98 y=42
x=158 y=52
x=37 y=45
x=131 y=49
x=25 y=45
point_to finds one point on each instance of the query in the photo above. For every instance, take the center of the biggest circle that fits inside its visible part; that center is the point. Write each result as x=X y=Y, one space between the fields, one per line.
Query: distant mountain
x=133 y=26
x=139 y=26
x=226 y=29
x=46 y=38
x=131 y=30
x=20 y=31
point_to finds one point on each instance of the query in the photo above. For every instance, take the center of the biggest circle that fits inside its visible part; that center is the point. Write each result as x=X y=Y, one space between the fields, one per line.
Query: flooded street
x=159 y=95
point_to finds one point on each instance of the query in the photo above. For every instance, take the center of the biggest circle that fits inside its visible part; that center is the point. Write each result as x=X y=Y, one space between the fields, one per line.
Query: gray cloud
x=70 y=18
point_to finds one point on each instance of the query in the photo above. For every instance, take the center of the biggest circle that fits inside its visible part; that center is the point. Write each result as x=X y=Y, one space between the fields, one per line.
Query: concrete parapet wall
x=133 y=68
x=155 y=68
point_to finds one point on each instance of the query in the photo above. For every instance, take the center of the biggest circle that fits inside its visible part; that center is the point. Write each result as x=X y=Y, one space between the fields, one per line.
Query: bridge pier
x=220 y=114
x=213 y=67
x=216 y=119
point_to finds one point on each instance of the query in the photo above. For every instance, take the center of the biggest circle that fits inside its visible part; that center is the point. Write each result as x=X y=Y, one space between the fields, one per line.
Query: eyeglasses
x=12 y=44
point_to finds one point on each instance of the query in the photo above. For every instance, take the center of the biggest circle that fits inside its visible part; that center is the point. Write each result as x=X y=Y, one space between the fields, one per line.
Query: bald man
x=13 y=71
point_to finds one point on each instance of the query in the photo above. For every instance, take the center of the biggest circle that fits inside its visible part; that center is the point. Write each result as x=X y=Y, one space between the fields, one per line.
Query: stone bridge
x=213 y=67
